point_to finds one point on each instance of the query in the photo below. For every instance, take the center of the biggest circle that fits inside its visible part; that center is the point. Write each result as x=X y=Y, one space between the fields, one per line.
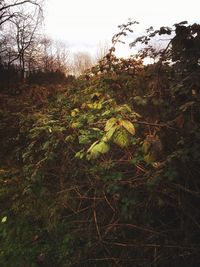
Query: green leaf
x=128 y=126
x=107 y=112
x=84 y=139
x=96 y=129
x=103 y=147
x=107 y=137
x=69 y=138
x=98 y=148
x=80 y=154
x=121 y=138
x=46 y=145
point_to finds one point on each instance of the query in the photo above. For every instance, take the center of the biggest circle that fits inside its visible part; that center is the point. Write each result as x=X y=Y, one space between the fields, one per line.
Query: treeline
x=10 y=77
x=28 y=55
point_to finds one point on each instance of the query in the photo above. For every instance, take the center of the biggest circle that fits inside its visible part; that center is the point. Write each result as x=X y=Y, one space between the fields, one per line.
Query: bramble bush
x=105 y=172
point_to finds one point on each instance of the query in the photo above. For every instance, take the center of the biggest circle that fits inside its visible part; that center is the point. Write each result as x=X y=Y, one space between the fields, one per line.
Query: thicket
x=10 y=77
x=105 y=172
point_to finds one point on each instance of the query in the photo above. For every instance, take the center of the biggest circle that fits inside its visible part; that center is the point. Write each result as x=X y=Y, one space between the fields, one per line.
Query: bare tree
x=26 y=27
x=9 y=9
x=81 y=62
x=46 y=53
x=9 y=53
x=61 y=60
x=102 y=50
x=53 y=55
x=19 y=21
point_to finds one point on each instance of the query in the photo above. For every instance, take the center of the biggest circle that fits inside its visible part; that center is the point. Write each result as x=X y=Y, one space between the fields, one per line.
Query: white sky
x=82 y=24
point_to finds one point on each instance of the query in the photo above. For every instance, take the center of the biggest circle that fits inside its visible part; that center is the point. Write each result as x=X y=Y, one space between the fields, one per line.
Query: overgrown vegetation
x=105 y=171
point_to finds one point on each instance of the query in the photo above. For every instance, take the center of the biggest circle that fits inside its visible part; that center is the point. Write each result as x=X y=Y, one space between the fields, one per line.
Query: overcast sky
x=84 y=23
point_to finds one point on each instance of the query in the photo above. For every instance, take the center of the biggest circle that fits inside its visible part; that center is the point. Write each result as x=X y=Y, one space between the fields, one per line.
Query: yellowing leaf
x=140 y=101
x=84 y=106
x=73 y=113
x=124 y=108
x=110 y=123
x=152 y=146
x=121 y=138
x=128 y=126
x=149 y=158
x=97 y=105
x=4 y=219
x=90 y=105
x=75 y=125
x=93 y=145
x=145 y=147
